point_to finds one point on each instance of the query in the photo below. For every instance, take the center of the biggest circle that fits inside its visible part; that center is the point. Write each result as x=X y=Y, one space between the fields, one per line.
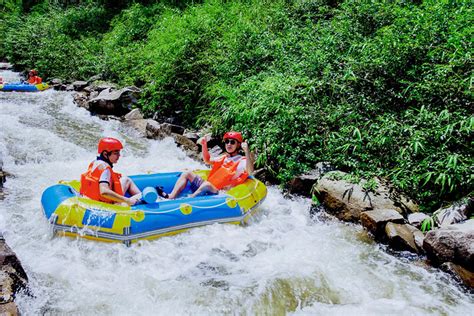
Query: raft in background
x=73 y=215
x=23 y=87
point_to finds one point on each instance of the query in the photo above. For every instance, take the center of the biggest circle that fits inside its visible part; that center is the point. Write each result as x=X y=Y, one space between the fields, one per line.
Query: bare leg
x=205 y=187
x=181 y=184
x=129 y=186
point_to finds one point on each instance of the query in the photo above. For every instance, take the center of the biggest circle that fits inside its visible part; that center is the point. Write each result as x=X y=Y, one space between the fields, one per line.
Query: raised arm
x=249 y=161
x=206 y=156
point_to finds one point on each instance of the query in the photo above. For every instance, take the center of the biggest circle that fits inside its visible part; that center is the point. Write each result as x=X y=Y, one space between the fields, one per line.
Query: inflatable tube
x=24 y=87
x=73 y=215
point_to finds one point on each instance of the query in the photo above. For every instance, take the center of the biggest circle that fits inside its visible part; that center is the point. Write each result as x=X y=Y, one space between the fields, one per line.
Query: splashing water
x=284 y=262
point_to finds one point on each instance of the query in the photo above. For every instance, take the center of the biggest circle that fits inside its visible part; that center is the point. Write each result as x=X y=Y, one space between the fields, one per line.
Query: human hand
x=133 y=199
x=245 y=147
x=204 y=139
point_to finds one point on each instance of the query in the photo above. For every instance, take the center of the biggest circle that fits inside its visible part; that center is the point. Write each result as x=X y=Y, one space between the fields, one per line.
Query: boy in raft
x=227 y=171
x=101 y=183
x=33 y=77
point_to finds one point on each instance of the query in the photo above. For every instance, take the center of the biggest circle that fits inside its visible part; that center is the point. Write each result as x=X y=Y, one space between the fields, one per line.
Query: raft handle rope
x=230 y=198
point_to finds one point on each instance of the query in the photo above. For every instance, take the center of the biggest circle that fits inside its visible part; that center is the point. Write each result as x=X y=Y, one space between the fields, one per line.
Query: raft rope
x=193 y=206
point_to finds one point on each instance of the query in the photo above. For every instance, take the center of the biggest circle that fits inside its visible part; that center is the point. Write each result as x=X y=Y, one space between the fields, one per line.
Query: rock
x=5 y=66
x=416 y=219
x=461 y=274
x=172 y=128
x=134 y=114
x=188 y=146
x=303 y=184
x=95 y=78
x=60 y=87
x=88 y=89
x=139 y=125
x=79 y=85
x=117 y=102
x=81 y=99
x=375 y=221
x=456 y=213
x=104 y=86
x=347 y=200
x=454 y=243
x=156 y=130
x=153 y=130
x=215 y=151
x=56 y=82
x=401 y=237
x=419 y=238
x=69 y=87
x=9 y=309
x=12 y=276
x=191 y=136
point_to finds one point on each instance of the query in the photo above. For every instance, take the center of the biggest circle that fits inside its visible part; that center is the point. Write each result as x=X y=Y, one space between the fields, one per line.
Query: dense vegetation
x=377 y=88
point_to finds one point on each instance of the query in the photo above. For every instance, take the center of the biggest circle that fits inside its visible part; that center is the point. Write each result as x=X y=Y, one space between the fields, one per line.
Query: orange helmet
x=234 y=135
x=109 y=144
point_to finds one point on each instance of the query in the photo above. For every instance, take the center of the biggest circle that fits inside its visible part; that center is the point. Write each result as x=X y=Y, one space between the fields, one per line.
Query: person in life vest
x=33 y=77
x=227 y=171
x=102 y=183
x=1 y=80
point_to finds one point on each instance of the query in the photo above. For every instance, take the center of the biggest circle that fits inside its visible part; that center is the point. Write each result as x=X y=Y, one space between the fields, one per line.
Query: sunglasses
x=230 y=141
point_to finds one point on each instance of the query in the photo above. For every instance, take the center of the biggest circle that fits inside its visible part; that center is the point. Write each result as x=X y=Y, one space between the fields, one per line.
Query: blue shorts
x=196 y=183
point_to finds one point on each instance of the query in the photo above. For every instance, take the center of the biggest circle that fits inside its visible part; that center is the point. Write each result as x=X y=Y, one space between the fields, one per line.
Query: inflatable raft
x=73 y=215
x=23 y=87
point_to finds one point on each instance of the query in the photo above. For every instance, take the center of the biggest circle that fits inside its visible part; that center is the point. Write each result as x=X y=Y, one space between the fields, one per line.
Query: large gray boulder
x=347 y=200
x=454 y=243
x=114 y=102
x=375 y=221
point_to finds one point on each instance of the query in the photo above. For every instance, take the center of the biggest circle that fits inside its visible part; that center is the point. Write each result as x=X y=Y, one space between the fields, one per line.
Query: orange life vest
x=222 y=173
x=90 y=182
x=35 y=80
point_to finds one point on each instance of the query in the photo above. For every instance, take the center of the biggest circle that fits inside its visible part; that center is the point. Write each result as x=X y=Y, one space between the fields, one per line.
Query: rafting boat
x=23 y=87
x=76 y=216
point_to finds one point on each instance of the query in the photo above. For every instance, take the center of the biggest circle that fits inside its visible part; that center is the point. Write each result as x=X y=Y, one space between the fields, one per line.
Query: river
x=284 y=262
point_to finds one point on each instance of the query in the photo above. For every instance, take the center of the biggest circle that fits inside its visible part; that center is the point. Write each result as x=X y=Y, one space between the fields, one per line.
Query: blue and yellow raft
x=73 y=215
x=23 y=87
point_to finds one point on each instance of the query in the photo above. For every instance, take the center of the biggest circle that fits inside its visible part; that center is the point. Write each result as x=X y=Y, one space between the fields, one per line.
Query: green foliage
x=378 y=89
x=427 y=224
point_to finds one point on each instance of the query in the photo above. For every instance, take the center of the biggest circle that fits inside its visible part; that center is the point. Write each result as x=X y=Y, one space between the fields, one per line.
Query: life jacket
x=35 y=80
x=90 y=182
x=222 y=173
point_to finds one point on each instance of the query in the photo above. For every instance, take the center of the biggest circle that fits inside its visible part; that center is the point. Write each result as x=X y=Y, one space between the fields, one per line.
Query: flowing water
x=284 y=262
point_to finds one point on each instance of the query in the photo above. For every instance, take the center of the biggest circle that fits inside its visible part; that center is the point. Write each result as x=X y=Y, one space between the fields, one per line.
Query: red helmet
x=109 y=144
x=234 y=135
x=34 y=72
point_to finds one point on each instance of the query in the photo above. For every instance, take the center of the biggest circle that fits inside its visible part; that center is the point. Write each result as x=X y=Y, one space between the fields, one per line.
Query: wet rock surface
x=454 y=243
x=12 y=279
x=348 y=200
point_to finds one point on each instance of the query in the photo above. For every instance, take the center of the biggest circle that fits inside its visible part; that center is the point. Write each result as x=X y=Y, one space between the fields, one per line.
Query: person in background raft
x=227 y=171
x=102 y=183
x=33 y=77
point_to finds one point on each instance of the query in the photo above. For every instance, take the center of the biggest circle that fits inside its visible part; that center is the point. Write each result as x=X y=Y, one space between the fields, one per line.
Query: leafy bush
x=378 y=88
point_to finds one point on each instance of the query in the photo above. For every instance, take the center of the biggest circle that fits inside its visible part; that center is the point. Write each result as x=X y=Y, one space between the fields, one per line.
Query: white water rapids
x=284 y=262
